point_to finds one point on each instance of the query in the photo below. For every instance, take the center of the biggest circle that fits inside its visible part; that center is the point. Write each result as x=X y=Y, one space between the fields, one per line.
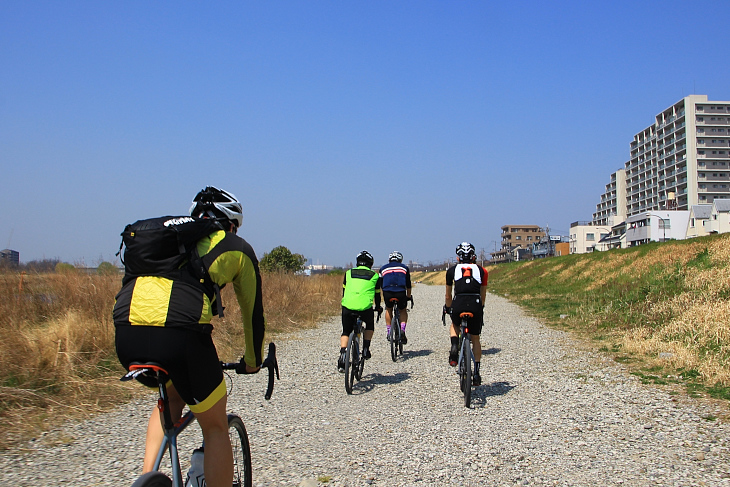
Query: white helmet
x=218 y=204
x=395 y=256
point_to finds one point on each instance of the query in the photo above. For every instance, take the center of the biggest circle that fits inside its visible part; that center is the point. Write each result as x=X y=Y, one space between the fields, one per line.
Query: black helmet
x=364 y=258
x=217 y=204
x=466 y=252
x=395 y=256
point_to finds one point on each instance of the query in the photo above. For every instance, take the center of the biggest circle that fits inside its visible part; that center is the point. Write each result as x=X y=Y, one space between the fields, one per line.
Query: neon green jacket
x=361 y=286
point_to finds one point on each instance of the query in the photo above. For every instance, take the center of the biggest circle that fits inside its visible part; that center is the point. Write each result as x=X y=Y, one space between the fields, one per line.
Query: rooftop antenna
x=10 y=238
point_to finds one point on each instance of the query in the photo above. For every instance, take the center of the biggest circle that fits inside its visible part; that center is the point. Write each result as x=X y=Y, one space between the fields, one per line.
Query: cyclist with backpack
x=163 y=314
x=396 y=284
x=466 y=290
x=360 y=288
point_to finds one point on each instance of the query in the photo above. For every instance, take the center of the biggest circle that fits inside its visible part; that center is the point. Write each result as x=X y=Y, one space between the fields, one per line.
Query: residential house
x=586 y=237
x=720 y=216
x=699 y=220
x=656 y=226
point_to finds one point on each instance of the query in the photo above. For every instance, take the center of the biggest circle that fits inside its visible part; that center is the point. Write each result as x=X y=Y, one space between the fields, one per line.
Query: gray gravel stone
x=548 y=413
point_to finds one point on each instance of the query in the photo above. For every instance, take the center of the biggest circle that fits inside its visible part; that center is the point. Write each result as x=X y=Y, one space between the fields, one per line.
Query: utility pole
x=549 y=242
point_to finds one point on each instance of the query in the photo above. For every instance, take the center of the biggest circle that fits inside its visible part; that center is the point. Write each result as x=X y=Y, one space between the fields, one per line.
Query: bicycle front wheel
x=153 y=479
x=351 y=362
x=241 y=452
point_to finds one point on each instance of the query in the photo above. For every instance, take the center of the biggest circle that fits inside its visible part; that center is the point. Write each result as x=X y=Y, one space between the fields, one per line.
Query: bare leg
x=155 y=428
x=218 y=463
x=476 y=346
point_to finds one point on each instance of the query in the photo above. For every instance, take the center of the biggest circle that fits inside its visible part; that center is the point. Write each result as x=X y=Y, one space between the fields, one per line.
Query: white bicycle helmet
x=216 y=203
x=395 y=256
x=466 y=252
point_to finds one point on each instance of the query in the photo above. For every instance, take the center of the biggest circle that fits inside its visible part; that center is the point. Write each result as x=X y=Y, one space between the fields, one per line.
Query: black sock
x=366 y=344
x=476 y=367
x=343 y=350
x=455 y=342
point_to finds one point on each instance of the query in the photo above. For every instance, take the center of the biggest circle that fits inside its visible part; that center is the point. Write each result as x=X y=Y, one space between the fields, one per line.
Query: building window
x=590 y=236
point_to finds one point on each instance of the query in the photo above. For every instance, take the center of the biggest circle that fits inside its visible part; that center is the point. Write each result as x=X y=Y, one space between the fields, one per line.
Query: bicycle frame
x=464 y=337
x=172 y=430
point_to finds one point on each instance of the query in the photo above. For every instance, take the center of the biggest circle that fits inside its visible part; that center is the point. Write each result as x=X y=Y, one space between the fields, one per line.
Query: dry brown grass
x=57 y=357
x=435 y=278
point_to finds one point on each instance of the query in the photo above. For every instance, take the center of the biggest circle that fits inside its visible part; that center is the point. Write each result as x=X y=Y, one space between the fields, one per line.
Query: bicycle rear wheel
x=241 y=452
x=351 y=362
x=360 y=359
x=153 y=479
x=394 y=339
x=466 y=378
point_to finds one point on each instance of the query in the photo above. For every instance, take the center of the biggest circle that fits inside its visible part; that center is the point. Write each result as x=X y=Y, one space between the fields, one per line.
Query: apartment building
x=612 y=208
x=516 y=236
x=680 y=160
x=586 y=237
x=9 y=257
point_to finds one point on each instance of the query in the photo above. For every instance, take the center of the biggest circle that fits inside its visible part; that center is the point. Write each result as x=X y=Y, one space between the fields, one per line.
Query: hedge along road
x=546 y=414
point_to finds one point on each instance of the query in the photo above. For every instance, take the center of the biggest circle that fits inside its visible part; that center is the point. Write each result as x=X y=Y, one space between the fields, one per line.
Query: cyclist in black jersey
x=147 y=332
x=466 y=289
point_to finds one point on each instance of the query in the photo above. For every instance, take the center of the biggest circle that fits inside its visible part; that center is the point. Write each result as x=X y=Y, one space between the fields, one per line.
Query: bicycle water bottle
x=195 y=474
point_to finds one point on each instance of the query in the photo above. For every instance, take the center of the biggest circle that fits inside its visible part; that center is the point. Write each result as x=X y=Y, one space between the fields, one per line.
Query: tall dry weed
x=57 y=356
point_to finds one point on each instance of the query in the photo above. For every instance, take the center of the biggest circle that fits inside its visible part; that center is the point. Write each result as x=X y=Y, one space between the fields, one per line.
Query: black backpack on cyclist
x=166 y=247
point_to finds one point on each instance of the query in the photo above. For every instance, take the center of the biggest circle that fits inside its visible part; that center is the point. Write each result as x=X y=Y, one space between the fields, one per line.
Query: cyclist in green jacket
x=360 y=288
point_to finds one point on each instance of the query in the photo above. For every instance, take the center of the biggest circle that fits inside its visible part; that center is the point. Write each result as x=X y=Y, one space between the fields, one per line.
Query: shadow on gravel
x=369 y=381
x=480 y=394
x=409 y=354
x=491 y=351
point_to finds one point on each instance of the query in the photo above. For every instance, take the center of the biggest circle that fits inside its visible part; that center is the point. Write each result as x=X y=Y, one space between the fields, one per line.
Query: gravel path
x=547 y=414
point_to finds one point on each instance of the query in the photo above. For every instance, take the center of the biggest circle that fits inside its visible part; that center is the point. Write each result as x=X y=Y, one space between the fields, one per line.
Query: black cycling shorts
x=349 y=318
x=470 y=304
x=189 y=356
x=402 y=299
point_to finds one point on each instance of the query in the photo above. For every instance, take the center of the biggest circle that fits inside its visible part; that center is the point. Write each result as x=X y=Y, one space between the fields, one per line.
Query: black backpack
x=166 y=247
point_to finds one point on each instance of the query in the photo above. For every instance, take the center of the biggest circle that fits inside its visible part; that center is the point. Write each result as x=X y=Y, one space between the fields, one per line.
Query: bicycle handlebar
x=269 y=363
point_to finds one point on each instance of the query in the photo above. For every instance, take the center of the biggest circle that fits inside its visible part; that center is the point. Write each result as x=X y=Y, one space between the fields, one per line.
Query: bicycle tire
x=467 y=373
x=153 y=479
x=393 y=343
x=241 y=452
x=360 y=365
x=349 y=369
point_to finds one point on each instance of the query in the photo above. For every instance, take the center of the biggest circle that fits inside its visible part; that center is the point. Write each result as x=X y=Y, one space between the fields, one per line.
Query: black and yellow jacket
x=159 y=301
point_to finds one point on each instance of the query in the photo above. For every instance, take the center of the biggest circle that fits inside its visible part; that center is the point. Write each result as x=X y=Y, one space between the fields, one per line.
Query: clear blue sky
x=341 y=126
